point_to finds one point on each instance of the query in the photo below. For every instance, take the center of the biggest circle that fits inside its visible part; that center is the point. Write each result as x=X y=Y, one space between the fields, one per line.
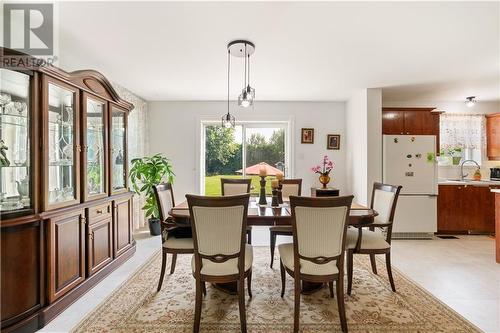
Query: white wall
x=364 y=142
x=174 y=129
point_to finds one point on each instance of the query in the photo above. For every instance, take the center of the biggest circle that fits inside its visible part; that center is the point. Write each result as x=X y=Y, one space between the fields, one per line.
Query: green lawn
x=212 y=184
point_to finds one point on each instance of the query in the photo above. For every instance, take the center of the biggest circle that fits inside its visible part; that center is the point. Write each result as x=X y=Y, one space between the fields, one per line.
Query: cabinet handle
x=99 y=211
x=78 y=148
x=91 y=235
x=83 y=220
x=407 y=132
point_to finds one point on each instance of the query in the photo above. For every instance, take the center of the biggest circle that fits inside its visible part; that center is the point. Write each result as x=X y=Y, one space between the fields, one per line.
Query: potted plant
x=145 y=173
x=324 y=171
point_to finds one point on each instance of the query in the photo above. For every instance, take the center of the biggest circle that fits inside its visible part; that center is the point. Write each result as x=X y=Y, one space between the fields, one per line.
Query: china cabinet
x=65 y=206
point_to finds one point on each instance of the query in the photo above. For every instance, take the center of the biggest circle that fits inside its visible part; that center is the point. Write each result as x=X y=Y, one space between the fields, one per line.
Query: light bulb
x=470 y=101
x=227 y=124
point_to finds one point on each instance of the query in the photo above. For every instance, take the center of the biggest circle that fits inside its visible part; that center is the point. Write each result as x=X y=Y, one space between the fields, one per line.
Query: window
x=462 y=136
x=237 y=153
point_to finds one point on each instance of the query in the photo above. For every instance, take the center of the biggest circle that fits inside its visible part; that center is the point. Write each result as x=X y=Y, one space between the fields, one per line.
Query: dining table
x=266 y=215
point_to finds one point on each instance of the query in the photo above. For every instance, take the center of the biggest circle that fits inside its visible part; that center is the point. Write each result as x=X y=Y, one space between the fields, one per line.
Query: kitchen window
x=462 y=136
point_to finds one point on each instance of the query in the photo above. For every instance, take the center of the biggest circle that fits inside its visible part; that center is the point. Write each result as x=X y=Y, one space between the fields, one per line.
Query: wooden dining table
x=260 y=215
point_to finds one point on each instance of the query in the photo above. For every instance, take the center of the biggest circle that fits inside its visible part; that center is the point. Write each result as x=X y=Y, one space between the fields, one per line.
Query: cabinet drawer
x=98 y=213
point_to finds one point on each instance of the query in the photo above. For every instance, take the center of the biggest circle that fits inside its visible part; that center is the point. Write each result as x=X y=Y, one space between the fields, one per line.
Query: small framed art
x=333 y=141
x=307 y=135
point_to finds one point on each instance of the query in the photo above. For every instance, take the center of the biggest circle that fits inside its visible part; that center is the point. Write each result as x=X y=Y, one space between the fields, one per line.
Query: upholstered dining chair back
x=319 y=225
x=235 y=186
x=384 y=200
x=291 y=187
x=219 y=224
x=164 y=199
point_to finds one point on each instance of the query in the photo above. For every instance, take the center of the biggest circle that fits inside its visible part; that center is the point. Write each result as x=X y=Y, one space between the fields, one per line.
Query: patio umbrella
x=255 y=169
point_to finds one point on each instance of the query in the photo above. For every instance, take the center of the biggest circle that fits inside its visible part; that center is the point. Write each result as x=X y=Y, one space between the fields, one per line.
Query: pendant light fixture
x=228 y=120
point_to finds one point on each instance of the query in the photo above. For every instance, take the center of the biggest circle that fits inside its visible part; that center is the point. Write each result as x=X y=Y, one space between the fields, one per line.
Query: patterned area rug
x=373 y=307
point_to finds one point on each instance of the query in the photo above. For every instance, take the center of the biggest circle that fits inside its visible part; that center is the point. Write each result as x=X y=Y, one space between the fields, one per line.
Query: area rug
x=373 y=307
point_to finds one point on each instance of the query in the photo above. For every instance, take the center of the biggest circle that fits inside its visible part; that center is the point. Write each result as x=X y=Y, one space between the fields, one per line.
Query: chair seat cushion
x=306 y=267
x=371 y=240
x=179 y=243
x=282 y=228
x=228 y=267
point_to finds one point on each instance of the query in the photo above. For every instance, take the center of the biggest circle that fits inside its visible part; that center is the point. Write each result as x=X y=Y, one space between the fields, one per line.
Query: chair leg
x=330 y=285
x=389 y=270
x=273 y=245
x=374 y=264
x=197 y=306
x=249 y=236
x=296 y=312
x=204 y=286
x=249 y=284
x=282 y=270
x=340 y=302
x=350 y=255
x=163 y=266
x=174 y=260
x=241 y=298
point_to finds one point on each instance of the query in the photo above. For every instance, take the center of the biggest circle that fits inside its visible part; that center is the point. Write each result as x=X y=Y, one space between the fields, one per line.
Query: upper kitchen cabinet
x=118 y=141
x=16 y=140
x=411 y=121
x=61 y=146
x=94 y=147
x=493 y=136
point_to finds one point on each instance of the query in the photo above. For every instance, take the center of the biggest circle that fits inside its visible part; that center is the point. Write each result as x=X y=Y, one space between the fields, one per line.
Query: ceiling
x=304 y=51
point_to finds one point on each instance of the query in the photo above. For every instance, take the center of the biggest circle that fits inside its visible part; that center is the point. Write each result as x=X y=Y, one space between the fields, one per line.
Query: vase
x=456 y=160
x=324 y=179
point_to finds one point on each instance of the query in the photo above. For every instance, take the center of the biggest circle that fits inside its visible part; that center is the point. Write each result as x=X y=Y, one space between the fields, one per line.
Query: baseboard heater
x=412 y=235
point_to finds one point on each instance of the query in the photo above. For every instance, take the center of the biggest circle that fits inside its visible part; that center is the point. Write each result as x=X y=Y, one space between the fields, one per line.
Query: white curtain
x=466 y=131
x=138 y=141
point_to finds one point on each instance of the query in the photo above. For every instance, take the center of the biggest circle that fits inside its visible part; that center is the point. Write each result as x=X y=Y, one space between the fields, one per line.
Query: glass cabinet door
x=94 y=147
x=63 y=147
x=15 y=161
x=118 y=149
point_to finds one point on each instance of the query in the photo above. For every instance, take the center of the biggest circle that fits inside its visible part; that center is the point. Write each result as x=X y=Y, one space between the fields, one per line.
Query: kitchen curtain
x=466 y=131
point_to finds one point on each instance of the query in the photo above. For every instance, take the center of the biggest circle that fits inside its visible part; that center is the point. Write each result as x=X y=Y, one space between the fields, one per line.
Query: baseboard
x=412 y=235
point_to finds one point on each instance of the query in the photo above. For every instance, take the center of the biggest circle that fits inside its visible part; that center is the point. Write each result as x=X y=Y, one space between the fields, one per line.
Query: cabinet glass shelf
x=15 y=171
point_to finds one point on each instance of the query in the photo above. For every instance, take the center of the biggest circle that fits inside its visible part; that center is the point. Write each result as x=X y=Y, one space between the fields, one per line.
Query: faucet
x=462 y=176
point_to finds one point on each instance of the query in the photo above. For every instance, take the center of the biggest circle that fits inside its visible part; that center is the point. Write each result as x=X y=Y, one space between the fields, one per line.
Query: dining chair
x=291 y=187
x=164 y=196
x=317 y=253
x=235 y=186
x=377 y=238
x=221 y=254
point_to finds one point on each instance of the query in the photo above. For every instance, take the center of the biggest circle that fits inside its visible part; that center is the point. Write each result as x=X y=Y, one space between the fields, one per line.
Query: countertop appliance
x=495 y=173
x=409 y=160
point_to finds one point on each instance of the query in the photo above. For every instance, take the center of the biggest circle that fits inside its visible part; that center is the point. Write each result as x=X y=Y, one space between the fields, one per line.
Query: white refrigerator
x=409 y=160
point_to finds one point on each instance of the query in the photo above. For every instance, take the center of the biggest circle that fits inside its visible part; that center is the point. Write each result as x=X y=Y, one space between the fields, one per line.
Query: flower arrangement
x=324 y=170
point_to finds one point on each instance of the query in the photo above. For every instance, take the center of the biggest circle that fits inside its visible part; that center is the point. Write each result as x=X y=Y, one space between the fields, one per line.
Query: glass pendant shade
x=228 y=120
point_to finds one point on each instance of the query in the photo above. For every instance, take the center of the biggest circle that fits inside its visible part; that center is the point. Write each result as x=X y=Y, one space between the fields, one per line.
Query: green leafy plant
x=147 y=172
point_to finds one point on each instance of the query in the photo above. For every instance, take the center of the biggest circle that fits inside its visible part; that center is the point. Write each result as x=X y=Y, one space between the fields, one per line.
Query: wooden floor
x=460 y=272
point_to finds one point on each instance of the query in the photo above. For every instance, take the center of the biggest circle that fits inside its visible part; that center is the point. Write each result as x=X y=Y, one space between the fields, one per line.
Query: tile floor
x=460 y=272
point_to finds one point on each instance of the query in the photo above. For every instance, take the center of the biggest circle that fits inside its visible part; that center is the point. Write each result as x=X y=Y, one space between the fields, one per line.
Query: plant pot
x=456 y=160
x=154 y=226
x=324 y=179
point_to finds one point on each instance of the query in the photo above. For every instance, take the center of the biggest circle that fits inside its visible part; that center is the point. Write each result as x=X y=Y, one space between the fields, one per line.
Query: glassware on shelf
x=118 y=157
x=95 y=138
x=15 y=171
x=62 y=172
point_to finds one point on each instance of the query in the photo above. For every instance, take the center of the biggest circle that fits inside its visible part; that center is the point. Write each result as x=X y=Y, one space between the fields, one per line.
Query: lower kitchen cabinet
x=66 y=252
x=122 y=215
x=466 y=209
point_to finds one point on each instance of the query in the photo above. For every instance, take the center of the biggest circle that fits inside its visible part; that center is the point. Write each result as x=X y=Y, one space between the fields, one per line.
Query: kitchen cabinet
x=122 y=214
x=493 y=136
x=99 y=245
x=466 y=209
x=411 y=121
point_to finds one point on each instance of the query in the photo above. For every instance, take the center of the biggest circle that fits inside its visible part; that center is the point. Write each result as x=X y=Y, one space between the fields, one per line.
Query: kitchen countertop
x=495 y=190
x=485 y=182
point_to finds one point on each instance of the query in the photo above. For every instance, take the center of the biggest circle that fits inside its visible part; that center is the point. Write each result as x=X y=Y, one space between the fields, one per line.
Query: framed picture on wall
x=307 y=135
x=333 y=141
